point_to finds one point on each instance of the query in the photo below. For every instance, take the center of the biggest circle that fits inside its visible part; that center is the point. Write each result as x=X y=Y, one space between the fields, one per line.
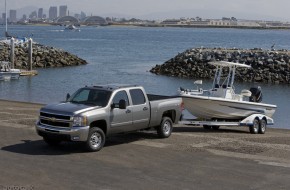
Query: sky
x=161 y=9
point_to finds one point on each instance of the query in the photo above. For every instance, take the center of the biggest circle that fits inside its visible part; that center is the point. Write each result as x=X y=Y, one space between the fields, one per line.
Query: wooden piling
x=12 y=53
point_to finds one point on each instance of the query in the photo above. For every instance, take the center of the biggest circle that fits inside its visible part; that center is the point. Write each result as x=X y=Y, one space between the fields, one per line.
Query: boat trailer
x=257 y=123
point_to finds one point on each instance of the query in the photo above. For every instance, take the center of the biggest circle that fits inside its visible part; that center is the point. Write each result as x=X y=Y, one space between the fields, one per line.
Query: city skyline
x=161 y=9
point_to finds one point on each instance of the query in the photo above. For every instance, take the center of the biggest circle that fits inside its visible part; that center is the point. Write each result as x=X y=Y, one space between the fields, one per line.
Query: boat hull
x=12 y=74
x=5 y=76
x=218 y=108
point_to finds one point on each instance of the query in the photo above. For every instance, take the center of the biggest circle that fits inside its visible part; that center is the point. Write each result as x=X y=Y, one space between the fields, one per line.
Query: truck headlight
x=79 y=121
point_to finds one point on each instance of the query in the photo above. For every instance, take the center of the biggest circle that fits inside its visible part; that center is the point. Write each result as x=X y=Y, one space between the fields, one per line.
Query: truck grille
x=55 y=120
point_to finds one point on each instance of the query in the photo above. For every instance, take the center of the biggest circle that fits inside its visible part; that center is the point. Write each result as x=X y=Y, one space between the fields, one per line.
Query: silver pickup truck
x=93 y=113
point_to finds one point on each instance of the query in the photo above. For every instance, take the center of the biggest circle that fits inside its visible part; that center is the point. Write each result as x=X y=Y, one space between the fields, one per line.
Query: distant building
x=221 y=22
x=12 y=16
x=3 y=16
x=40 y=13
x=83 y=15
x=250 y=23
x=52 y=13
x=33 y=15
x=62 y=11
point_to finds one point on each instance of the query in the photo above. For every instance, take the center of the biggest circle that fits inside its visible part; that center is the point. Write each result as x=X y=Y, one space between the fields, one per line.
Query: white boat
x=72 y=27
x=6 y=73
x=221 y=101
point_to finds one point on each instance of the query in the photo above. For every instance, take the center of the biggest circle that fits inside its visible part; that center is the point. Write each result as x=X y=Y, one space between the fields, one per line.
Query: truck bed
x=154 y=97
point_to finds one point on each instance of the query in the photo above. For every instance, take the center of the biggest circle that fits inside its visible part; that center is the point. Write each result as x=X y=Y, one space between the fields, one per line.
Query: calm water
x=125 y=55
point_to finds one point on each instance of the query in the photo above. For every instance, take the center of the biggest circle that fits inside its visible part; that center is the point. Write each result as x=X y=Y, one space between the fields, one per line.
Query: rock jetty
x=42 y=56
x=268 y=66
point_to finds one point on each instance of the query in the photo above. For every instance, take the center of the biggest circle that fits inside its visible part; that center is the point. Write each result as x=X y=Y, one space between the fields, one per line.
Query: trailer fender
x=250 y=119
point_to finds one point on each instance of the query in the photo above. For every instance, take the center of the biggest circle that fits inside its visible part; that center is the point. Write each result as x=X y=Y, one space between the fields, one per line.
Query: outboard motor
x=257 y=95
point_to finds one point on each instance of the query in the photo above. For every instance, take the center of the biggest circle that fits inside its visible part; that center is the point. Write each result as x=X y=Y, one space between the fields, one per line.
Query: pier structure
x=28 y=72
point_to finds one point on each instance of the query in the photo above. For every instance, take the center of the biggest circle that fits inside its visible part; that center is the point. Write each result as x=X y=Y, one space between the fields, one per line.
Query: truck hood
x=67 y=108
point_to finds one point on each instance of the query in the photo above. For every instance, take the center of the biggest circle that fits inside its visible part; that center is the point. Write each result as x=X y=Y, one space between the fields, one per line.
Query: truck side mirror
x=122 y=104
x=67 y=96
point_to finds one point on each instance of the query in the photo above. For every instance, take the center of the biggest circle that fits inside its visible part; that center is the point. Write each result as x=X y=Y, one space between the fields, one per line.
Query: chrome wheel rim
x=256 y=126
x=263 y=126
x=95 y=140
x=166 y=127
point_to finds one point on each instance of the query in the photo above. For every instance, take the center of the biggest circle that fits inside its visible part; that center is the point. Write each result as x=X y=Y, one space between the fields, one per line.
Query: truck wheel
x=262 y=126
x=96 y=140
x=207 y=127
x=51 y=141
x=165 y=128
x=255 y=127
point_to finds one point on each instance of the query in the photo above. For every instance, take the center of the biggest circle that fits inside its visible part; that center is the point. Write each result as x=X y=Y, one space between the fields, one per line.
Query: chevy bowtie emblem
x=52 y=119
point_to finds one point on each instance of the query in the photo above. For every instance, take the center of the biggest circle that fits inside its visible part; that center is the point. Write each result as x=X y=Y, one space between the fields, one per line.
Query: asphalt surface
x=192 y=158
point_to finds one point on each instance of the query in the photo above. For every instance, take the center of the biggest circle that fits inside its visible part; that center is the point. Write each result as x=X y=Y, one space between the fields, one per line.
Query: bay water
x=126 y=54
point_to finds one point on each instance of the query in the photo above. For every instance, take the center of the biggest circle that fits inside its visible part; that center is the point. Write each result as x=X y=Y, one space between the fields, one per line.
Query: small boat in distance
x=6 y=73
x=72 y=27
x=221 y=101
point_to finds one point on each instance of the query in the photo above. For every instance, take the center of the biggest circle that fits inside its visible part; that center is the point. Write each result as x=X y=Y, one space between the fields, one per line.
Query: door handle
x=145 y=109
x=128 y=111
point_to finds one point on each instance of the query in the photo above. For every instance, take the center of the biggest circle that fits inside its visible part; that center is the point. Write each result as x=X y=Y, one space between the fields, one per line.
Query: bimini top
x=228 y=64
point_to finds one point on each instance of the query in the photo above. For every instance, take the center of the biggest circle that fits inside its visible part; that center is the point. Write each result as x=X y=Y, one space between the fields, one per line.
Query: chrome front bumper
x=72 y=134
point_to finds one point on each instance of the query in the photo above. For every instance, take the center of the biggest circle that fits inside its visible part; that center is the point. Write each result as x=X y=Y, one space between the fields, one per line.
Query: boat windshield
x=89 y=96
x=228 y=80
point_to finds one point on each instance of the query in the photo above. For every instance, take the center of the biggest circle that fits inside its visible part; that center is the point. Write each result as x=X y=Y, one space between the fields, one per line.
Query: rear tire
x=96 y=140
x=51 y=141
x=254 y=129
x=165 y=128
x=262 y=126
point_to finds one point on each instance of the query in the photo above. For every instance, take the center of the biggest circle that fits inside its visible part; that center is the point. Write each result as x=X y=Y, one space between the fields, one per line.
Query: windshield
x=95 y=97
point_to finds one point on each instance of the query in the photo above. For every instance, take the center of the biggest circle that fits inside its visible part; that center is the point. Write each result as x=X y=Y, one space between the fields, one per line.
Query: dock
x=28 y=73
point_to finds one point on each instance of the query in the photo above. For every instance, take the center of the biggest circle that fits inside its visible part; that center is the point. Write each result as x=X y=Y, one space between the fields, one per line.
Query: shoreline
x=167 y=26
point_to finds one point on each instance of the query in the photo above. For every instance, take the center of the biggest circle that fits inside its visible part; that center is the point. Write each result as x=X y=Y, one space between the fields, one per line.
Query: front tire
x=165 y=128
x=96 y=140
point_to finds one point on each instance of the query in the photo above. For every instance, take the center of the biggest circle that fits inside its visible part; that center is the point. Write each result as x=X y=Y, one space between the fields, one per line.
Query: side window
x=137 y=96
x=119 y=96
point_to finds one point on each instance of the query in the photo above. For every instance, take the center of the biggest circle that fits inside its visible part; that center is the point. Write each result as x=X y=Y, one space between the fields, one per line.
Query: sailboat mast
x=5 y=18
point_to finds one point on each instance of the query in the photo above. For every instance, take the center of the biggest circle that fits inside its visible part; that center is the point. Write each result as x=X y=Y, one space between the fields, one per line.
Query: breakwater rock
x=268 y=66
x=42 y=56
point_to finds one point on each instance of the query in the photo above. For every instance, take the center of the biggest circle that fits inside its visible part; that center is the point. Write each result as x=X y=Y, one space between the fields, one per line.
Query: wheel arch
x=171 y=114
x=102 y=124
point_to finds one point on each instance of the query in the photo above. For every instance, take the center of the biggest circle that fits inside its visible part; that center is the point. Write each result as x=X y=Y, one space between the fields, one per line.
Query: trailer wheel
x=96 y=140
x=262 y=126
x=207 y=127
x=215 y=127
x=254 y=129
x=165 y=128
